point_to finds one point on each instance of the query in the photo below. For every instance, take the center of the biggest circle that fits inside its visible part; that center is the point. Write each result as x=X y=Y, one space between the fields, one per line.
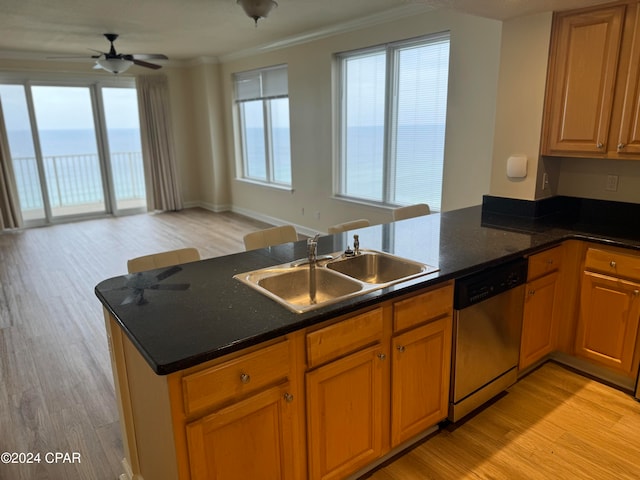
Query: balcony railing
x=74 y=180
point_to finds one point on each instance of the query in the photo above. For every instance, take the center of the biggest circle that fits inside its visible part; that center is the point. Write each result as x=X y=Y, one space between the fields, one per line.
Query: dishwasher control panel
x=489 y=282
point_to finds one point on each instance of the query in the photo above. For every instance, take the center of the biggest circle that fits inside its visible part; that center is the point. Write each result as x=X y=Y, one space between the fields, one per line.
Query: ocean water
x=72 y=142
x=419 y=153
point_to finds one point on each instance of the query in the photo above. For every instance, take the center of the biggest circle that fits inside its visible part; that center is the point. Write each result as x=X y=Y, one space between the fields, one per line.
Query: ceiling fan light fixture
x=114 y=65
x=257 y=9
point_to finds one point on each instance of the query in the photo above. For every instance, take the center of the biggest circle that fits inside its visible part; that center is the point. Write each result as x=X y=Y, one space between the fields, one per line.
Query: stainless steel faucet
x=312 y=256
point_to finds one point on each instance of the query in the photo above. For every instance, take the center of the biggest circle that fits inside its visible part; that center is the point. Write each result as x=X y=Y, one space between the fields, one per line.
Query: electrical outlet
x=545 y=180
x=612 y=183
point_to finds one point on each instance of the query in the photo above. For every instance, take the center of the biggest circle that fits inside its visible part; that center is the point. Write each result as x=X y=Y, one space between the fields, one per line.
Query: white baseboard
x=208 y=206
x=273 y=220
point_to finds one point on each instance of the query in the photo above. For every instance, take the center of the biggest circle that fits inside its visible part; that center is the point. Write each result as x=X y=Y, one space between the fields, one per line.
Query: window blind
x=261 y=84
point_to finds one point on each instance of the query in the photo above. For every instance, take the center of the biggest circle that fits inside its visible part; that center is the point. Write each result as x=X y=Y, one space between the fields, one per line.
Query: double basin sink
x=332 y=279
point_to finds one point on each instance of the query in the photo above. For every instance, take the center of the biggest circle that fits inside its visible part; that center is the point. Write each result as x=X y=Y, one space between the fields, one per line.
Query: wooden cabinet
x=252 y=438
x=345 y=395
x=316 y=403
x=607 y=328
x=240 y=417
x=420 y=363
x=539 y=315
x=593 y=83
x=344 y=414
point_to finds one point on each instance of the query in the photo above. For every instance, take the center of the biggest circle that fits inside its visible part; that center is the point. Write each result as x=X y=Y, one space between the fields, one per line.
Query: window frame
x=392 y=73
x=241 y=126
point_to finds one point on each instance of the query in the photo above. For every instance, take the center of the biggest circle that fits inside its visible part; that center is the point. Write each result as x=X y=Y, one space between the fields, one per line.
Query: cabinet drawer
x=544 y=262
x=423 y=307
x=236 y=378
x=344 y=337
x=613 y=263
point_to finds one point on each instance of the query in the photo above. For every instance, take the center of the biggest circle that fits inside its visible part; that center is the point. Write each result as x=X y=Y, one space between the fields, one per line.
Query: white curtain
x=10 y=216
x=163 y=188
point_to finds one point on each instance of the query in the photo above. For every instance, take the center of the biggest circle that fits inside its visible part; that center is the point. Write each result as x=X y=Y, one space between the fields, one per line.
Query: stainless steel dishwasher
x=486 y=337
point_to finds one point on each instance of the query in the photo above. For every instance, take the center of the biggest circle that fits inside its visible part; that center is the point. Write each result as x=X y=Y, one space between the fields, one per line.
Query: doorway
x=75 y=150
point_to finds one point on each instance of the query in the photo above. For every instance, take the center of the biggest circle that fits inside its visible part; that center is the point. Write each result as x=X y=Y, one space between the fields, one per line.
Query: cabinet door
x=629 y=139
x=344 y=414
x=538 y=320
x=608 y=323
x=420 y=375
x=583 y=65
x=249 y=439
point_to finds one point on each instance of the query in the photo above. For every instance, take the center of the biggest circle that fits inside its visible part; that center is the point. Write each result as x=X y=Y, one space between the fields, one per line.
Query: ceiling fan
x=116 y=63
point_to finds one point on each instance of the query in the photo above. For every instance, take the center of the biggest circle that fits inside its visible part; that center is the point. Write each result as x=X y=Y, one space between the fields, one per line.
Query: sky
x=59 y=108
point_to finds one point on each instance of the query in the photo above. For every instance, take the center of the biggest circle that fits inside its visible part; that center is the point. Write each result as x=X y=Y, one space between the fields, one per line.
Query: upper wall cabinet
x=592 y=98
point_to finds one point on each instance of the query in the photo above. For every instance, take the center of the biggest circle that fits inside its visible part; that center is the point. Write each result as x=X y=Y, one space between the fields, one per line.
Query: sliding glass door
x=75 y=150
x=69 y=150
x=124 y=150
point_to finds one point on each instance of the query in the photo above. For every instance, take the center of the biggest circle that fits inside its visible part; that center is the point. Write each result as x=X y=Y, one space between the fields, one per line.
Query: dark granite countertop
x=205 y=313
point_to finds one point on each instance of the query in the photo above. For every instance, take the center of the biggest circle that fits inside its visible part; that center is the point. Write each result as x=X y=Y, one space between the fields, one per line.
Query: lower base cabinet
x=608 y=322
x=249 y=439
x=421 y=364
x=344 y=414
x=538 y=320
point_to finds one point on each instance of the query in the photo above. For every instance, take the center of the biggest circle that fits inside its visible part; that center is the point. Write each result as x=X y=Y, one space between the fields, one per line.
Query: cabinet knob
x=382 y=356
x=599 y=145
x=245 y=378
x=621 y=146
x=550 y=262
x=401 y=348
x=612 y=264
x=288 y=397
x=532 y=292
x=636 y=292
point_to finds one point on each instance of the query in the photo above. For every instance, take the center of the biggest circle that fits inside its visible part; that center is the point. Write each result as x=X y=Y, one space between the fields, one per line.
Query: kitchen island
x=213 y=319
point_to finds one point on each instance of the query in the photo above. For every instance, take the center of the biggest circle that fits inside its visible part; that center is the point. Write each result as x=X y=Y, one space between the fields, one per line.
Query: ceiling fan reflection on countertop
x=116 y=63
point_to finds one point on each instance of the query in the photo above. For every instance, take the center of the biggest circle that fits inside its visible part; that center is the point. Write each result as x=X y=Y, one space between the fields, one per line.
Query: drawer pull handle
x=621 y=146
x=549 y=262
x=288 y=397
x=599 y=145
x=532 y=292
x=612 y=264
x=382 y=356
x=401 y=348
x=245 y=378
x=636 y=292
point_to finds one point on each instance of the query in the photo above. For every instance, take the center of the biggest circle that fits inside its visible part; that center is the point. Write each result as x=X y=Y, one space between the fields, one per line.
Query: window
x=75 y=147
x=393 y=102
x=263 y=114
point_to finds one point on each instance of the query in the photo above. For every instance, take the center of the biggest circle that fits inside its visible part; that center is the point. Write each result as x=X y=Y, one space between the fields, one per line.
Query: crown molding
x=344 y=27
x=411 y=9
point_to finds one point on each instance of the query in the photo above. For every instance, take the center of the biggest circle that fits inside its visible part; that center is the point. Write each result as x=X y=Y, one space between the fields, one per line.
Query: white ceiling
x=188 y=29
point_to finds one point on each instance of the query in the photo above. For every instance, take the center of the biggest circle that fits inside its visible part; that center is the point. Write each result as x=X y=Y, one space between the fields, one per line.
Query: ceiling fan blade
x=88 y=57
x=146 y=64
x=148 y=56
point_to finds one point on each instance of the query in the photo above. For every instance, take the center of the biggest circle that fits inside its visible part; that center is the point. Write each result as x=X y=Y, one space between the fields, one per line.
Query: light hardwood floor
x=56 y=387
x=553 y=424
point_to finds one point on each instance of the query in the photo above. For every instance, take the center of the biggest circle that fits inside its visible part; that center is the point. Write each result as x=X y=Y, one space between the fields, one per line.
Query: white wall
x=471 y=113
x=521 y=87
